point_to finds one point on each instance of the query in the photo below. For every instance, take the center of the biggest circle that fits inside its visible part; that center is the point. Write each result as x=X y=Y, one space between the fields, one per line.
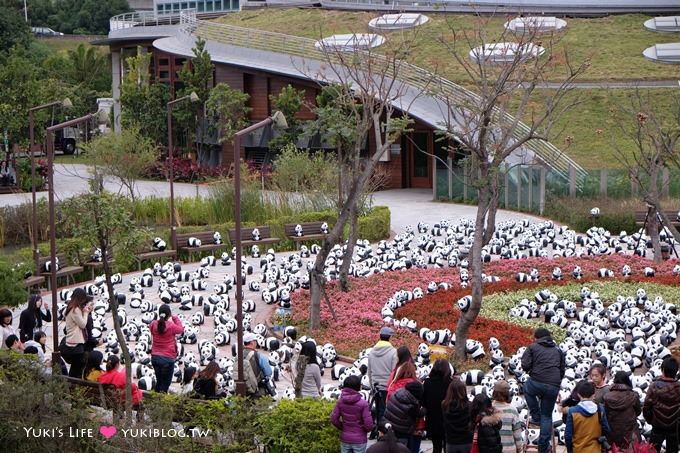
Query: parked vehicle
x=45 y=32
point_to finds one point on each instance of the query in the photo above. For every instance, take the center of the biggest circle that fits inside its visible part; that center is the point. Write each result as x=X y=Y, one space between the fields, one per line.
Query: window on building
x=234 y=5
x=175 y=7
x=192 y=5
x=164 y=75
x=163 y=62
x=201 y=6
x=218 y=5
x=209 y=6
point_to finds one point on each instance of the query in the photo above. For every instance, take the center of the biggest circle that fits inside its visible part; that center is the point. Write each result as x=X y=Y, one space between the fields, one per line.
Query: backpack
x=252 y=373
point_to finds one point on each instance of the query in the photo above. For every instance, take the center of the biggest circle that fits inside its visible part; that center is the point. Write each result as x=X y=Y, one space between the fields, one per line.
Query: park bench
x=672 y=216
x=106 y=396
x=93 y=265
x=247 y=236
x=311 y=231
x=33 y=281
x=144 y=255
x=64 y=270
x=207 y=242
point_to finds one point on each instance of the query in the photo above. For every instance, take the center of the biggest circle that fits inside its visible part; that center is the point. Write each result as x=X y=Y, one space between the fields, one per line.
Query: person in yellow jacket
x=586 y=422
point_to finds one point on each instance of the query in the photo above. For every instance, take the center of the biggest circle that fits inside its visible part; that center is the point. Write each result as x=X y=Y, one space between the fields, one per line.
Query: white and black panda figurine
x=217 y=237
x=255 y=251
x=595 y=212
x=225 y=259
x=298 y=230
x=158 y=244
x=48 y=265
x=97 y=255
x=255 y=235
x=193 y=242
x=324 y=228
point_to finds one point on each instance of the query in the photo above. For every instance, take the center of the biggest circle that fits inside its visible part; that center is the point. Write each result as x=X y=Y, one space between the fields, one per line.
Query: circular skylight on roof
x=350 y=42
x=400 y=21
x=535 y=25
x=668 y=24
x=504 y=52
x=664 y=53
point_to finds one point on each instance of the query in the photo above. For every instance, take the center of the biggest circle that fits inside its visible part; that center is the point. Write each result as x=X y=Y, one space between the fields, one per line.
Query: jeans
x=164 y=368
x=671 y=437
x=379 y=398
x=541 y=410
x=451 y=448
x=414 y=443
x=352 y=448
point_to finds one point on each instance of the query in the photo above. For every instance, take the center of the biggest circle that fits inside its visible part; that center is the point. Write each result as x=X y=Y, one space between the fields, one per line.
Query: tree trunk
x=347 y=258
x=468 y=318
x=492 y=210
x=652 y=220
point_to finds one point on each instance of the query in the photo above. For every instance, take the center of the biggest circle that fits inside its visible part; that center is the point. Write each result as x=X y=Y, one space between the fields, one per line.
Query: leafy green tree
x=13 y=31
x=76 y=16
x=125 y=156
x=144 y=104
x=289 y=102
x=197 y=77
x=227 y=107
x=89 y=68
x=105 y=221
x=12 y=292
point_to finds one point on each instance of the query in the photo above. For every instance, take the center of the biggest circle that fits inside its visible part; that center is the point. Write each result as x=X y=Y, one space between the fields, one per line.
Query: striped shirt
x=511 y=431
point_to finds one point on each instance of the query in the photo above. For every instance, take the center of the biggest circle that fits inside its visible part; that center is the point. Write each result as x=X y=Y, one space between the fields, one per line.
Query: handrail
x=142 y=19
x=412 y=75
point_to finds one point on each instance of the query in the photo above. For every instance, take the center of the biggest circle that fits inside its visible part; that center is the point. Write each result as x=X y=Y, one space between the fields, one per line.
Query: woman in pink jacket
x=352 y=415
x=164 y=346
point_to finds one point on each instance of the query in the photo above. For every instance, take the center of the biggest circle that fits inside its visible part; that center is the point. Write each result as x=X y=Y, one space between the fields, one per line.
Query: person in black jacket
x=32 y=317
x=544 y=362
x=435 y=387
x=487 y=424
x=456 y=416
x=403 y=410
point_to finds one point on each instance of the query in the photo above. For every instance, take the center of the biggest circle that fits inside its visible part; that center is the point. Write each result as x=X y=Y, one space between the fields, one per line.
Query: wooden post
x=465 y=183
x=505 y=176
x=531 y=186
x=519 y=187
x=541 y=190
x=449 y=165
x=665 y=182
x=603 y=182
x=572 y=181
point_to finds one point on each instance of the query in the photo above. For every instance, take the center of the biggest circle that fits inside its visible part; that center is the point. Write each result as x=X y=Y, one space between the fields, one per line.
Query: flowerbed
x=358 y=312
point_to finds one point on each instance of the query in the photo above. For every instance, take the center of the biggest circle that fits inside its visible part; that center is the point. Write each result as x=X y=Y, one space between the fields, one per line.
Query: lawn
x=69 y=42
x=614 y=44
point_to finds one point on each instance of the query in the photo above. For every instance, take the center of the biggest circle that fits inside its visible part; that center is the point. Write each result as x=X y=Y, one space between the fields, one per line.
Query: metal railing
x=414 y=76
x=142 y=19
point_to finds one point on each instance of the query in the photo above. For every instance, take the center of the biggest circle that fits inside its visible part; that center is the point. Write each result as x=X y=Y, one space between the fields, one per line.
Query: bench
x=207 y=242
x=64 y=270
x=93 y=264
x=311 y=232
x=672 y=216
x=154 y=255
x=33 y=281
x=247 y=236
x=106 y=396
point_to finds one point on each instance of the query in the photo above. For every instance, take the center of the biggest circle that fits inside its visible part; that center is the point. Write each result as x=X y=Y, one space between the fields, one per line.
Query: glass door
x=420 y=173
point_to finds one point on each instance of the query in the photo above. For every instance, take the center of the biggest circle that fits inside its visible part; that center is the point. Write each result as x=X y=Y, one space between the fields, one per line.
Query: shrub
x=299 y=426
x=376 y=224
x=184 y=170
x=12 y=293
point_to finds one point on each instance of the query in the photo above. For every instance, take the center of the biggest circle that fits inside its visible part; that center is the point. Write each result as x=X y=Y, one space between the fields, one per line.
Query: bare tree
x=374 y=98
x=655 y=137
x=488 y=123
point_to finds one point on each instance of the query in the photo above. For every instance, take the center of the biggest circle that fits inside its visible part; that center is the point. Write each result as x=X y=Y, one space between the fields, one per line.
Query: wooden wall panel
x=257 y=86
x=230 y=75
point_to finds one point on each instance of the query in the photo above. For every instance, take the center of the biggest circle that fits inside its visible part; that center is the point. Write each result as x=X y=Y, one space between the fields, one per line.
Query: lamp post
x=279 y=121
x=53 y=233
x=193 y=97
x=66 y=103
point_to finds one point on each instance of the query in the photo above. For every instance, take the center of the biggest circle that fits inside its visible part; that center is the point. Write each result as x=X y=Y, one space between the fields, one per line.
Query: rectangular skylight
x=670 y=22
x=669 y=51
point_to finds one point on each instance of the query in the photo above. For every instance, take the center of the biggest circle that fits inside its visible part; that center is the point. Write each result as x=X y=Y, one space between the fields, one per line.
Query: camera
x=604 y=443
x=267 y=386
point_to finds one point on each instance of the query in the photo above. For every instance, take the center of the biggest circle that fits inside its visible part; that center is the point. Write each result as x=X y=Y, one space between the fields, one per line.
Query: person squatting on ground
x=352 y=416
x=544 y=362
x=164 y=346
x=381 y=362
x=662 y=407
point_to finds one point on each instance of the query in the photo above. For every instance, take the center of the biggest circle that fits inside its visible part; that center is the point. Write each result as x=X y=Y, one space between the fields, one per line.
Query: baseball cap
x=248 y=337
x=386 y=331
x=541 y=332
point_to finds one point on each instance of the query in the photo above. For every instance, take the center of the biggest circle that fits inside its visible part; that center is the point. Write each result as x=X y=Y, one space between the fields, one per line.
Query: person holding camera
x=587 y=423
x=72 y=346
x=256 y=368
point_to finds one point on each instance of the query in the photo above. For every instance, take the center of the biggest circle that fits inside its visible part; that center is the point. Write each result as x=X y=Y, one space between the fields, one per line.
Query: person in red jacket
x=352 y=416
x=403 y=373
x=164 y=346
x=116 y=377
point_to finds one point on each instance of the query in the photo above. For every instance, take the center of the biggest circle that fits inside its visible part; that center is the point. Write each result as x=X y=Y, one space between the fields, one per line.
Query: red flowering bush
x=184 y=170
x=358 y=311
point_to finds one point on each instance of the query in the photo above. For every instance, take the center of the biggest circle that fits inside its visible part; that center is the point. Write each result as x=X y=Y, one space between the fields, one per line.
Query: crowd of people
x=599 y=417
x=599 y=414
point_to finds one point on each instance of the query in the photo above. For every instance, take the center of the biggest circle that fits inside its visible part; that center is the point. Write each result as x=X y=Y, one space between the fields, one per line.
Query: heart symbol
x=108 y=431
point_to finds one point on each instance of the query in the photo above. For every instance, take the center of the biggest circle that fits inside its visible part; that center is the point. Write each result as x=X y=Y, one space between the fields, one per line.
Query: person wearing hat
x=511 y=430
x=254 y=363
x=72 y=346
x=544 y=362
x=381 y=361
